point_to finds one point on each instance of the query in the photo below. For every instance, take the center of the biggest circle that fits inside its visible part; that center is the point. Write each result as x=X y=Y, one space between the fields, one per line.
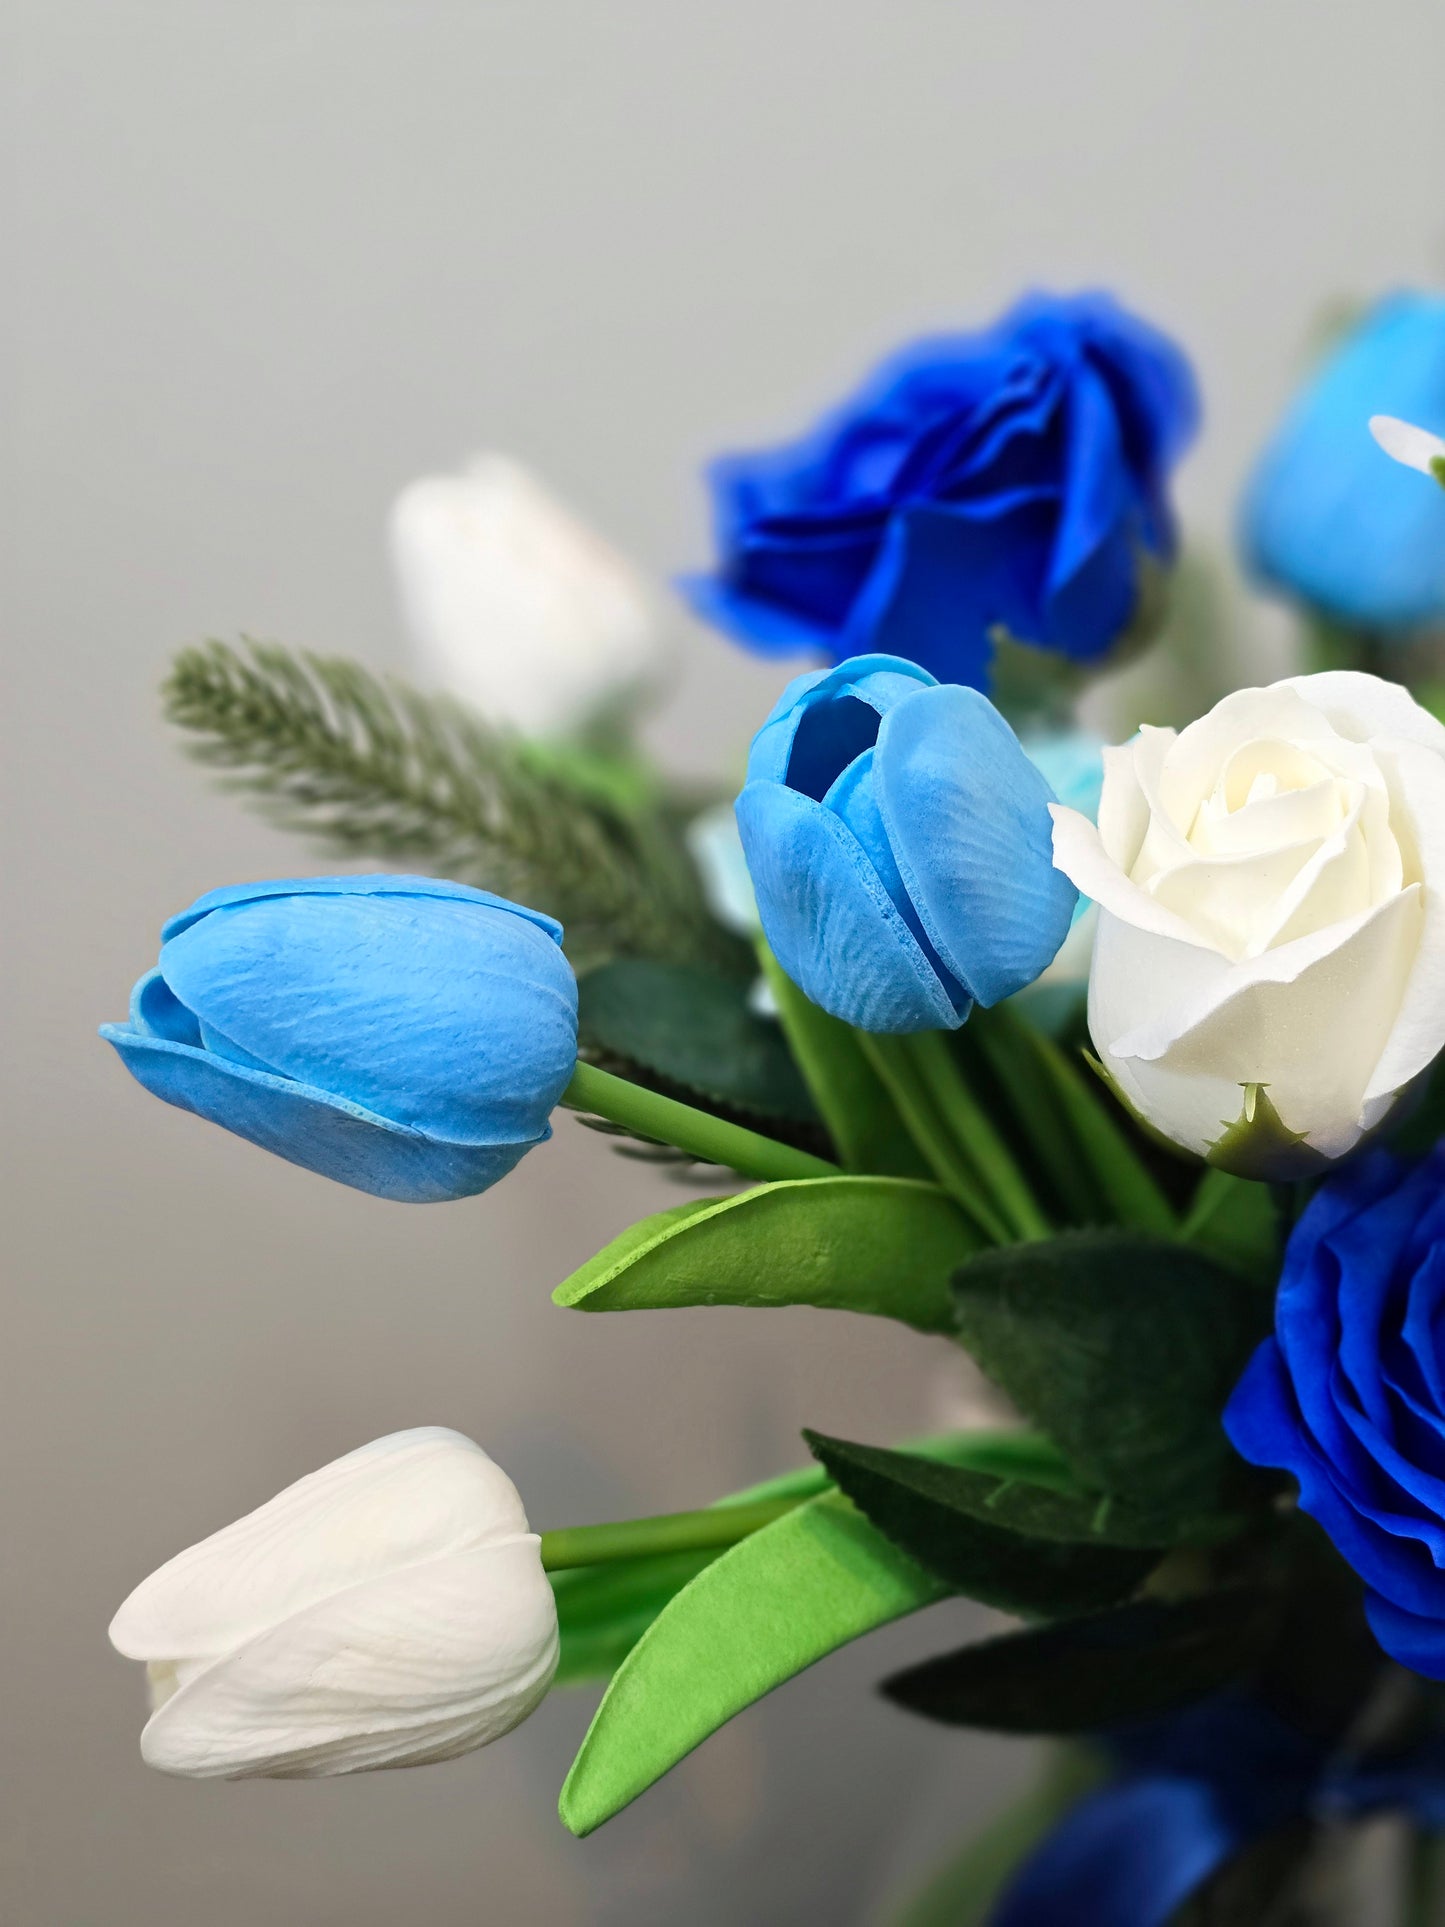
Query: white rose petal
x=515 y=605
x=388 y=1610
x=1271 y=883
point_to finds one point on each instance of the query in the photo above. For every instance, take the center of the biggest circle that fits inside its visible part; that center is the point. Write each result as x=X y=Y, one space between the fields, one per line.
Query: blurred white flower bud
x=1414 y=447
x=388 y=1610
x=514 y=604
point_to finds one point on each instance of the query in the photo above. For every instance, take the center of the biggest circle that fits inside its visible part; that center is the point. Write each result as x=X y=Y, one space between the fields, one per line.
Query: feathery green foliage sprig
x=373 y=768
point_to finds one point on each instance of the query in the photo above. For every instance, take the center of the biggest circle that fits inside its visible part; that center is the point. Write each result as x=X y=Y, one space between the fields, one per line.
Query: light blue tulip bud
x=1324 y=518
x=900 y=847
x=400 y=1034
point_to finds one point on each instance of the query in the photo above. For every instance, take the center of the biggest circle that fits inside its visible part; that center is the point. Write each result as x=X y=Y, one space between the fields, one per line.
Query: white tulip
x=388 y=1610
x=514 y=604
x=1271 y=891
x=1414 y=447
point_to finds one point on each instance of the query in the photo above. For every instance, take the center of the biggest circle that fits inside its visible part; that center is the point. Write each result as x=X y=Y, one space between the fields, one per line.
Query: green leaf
x=935 y=1516
x=602 y=1611
x=1015 y=1497
x=758 y=1614
x=1236 y=1221
x=881 y=1245
x=1123 y=1348
x=1130 y=1663
x=694 y=1029
x=859 y=1113
x=1076 y=1137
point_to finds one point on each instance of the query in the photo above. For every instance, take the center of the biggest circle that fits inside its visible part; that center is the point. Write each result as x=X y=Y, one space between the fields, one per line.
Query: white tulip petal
x=1404 y=442
x=414 y=1496
x=417 y=1665
x=516 y=605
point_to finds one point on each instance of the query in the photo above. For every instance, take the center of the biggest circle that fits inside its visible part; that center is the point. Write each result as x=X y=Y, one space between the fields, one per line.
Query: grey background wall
x=266 y=262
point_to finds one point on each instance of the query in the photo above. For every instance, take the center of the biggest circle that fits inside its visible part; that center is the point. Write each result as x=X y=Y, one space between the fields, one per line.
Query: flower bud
x=388 y=1610
x=515 y=605
x=400 y=1034
x=1324 y=518
x=1267 y=975
x=898 y=841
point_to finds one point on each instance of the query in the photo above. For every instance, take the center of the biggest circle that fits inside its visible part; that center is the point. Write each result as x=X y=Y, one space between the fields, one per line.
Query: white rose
x=514 y=604
x=388 y=1610
x=1271 y=941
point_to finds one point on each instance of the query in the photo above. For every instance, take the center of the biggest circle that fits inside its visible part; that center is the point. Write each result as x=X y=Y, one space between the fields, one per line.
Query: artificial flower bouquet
x=1114 y=1070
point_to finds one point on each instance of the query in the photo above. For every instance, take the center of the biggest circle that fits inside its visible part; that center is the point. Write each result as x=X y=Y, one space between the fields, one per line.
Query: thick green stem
x=974 y=1132
x=701 y=1135
x=930 y=1131
x=718 y=1526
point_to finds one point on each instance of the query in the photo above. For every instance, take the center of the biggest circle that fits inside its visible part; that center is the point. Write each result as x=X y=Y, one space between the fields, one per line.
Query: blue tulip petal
x=968 y=820
x=853 y=800
x=452 y=1016
x=1326 y=516
x=155 y=1011
x=309 y=1127
x=870 y=682
x=381 y=884
x=829 y=920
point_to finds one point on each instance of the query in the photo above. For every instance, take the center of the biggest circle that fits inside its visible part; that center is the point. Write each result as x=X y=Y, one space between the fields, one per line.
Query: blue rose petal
x=1011 y=478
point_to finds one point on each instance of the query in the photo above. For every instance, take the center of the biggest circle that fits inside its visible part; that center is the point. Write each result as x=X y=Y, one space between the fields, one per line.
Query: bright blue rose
x=1010 y=479
x=1326 y=516
x=900 y=846
x=1349 y=1395
x=406 y=1036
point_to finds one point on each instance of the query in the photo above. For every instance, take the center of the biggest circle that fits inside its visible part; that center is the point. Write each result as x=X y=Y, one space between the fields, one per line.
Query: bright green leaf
x=758 y=1614
x=694 y=1029
x=1123 y=1349
x=1130 y=1663
x=881 y=1245
x=937 y=1516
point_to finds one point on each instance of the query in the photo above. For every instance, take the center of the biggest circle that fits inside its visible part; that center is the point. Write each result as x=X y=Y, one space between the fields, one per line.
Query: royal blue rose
x=1325 y=517
x=1349 y=1394
x=400 y=1034
x=1012 y=480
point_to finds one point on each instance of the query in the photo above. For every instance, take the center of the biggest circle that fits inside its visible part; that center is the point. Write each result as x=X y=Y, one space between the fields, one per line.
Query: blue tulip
x=900 y=847
x=403 y=1035
x=1326 y=518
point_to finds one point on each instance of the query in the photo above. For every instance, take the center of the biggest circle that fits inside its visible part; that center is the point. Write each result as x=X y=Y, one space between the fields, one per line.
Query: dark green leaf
x=693 y=1029
x=762 y=1611
x=881 y=1245
x=1123 y=1348
x=602 y=1611
x=859 y=1113
x=934 y=1518
x=1101 y=1670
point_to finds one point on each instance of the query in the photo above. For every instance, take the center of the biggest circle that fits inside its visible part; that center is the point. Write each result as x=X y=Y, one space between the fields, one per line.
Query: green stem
x=701 y=1135
x=714 y=1526
x=973 y=1131
x=916 y=1105
x=1424 y=1880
